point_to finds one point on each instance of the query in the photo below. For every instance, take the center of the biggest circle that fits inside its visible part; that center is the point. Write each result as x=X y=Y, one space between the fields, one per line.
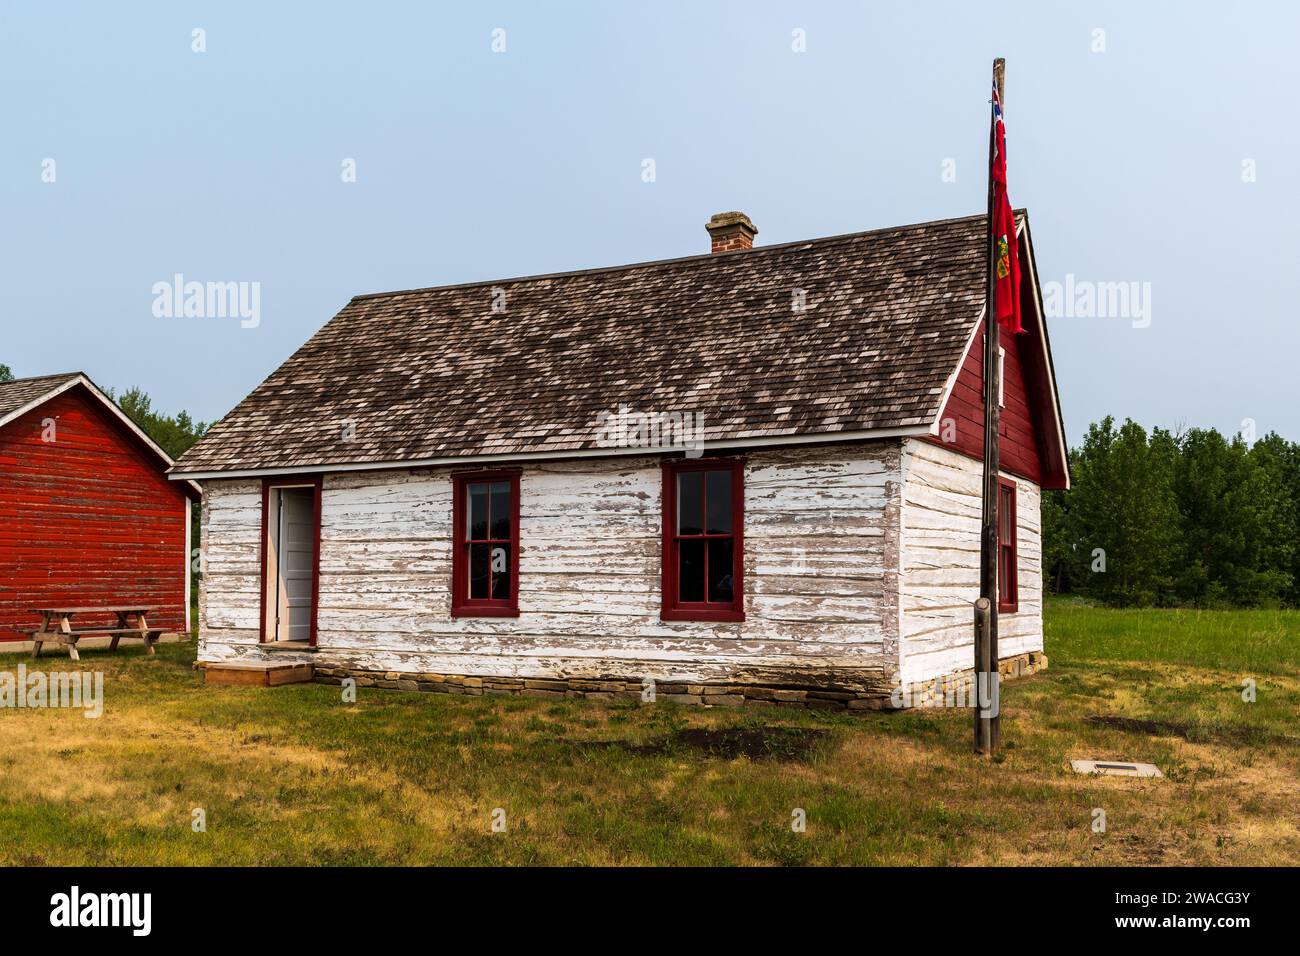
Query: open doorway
x=289 y=569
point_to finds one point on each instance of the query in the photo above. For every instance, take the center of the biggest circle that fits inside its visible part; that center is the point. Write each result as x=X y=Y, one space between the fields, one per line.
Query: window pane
x=501 y=509
x=718 y=499
x=690 y=570
x=1005 y=505
x=721 y=583
x=690 y=502
x=501 y=571
x=477 y=503
x=479 y=568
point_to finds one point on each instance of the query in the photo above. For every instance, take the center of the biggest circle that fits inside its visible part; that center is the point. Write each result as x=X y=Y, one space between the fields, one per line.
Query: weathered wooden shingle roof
x=21 y=392
x=433 y=374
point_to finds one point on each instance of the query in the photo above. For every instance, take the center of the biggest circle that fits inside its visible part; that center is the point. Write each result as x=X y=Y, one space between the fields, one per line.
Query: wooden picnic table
x=56 y=626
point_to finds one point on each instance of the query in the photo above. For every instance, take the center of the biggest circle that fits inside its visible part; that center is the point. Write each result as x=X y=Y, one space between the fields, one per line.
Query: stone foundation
x=957 y=689
x=930 y=693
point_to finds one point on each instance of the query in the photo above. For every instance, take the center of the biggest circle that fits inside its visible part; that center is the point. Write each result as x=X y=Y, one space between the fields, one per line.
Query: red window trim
x=314 y=482
x=673 y=609
x=461 y=604
x=1008 y=592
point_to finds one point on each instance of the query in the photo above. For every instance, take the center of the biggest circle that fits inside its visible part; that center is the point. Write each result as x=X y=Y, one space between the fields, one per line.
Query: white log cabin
x=745 y=477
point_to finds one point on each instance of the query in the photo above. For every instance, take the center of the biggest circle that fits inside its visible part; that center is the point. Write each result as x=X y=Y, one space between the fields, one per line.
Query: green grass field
x=295 y=776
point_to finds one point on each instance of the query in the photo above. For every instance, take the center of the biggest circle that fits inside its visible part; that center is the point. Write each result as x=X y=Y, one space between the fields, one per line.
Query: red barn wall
x=1019 y=446
x=89 y=518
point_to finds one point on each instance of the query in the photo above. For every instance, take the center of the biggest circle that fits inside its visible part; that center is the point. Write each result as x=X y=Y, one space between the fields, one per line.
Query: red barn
x=87 y=515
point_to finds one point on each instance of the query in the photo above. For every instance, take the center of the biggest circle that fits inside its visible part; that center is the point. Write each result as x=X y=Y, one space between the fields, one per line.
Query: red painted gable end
x=88 y=518
x=961 y=426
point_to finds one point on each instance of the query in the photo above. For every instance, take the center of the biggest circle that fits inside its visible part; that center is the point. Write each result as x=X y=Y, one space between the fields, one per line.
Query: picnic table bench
x=56 y=627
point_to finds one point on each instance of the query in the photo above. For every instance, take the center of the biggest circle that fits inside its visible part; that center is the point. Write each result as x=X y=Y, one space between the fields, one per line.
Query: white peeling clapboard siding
x=821 y=546
x=229 y=528
x=940 y=563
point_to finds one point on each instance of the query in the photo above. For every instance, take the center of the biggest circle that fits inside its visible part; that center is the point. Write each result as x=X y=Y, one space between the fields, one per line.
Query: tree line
x=174 y=433
x=1165 y=519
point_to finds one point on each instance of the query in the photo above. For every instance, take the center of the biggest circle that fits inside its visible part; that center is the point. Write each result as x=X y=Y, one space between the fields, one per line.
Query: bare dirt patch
x=1197 y=733
x=755 y=743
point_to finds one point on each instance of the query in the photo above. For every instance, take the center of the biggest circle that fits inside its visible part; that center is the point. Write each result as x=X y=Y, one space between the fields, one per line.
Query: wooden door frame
x=304 y=481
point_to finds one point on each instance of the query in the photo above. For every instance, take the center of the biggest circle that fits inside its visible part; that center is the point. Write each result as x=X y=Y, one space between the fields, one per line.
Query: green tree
x=1122 y=522
x=174 y=433
x=1232 y=511
x=6 y=373
x=1279 y=461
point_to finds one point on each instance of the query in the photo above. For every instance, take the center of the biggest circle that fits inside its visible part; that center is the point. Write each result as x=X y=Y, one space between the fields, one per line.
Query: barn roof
x=22 y=395
x=432 y=376
x=15 y=395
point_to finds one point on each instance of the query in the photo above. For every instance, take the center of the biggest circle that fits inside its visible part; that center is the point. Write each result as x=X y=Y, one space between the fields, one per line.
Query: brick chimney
x=731 y=231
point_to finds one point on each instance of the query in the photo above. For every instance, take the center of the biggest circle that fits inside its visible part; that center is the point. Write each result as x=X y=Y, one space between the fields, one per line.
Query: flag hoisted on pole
x=1002 y=312
x=1006 y=248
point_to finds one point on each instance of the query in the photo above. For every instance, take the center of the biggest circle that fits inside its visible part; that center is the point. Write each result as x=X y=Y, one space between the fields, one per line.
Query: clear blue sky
x=225 y=166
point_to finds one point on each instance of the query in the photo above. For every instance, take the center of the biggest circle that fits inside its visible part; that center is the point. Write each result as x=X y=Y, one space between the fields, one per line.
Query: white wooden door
x=296 y=553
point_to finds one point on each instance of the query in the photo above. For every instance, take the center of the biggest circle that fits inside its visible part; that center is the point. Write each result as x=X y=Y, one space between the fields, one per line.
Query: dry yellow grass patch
x=294 y=775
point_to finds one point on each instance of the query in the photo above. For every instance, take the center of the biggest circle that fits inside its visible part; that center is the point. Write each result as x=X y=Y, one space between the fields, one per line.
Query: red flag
x=1006 y=248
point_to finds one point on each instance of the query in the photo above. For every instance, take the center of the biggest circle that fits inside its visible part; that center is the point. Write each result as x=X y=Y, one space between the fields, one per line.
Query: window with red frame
x=1008 y=573
x=485 y=534
x=703 y=550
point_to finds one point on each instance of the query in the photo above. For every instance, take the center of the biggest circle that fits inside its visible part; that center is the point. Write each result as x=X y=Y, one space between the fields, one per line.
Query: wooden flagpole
x=988 y=731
